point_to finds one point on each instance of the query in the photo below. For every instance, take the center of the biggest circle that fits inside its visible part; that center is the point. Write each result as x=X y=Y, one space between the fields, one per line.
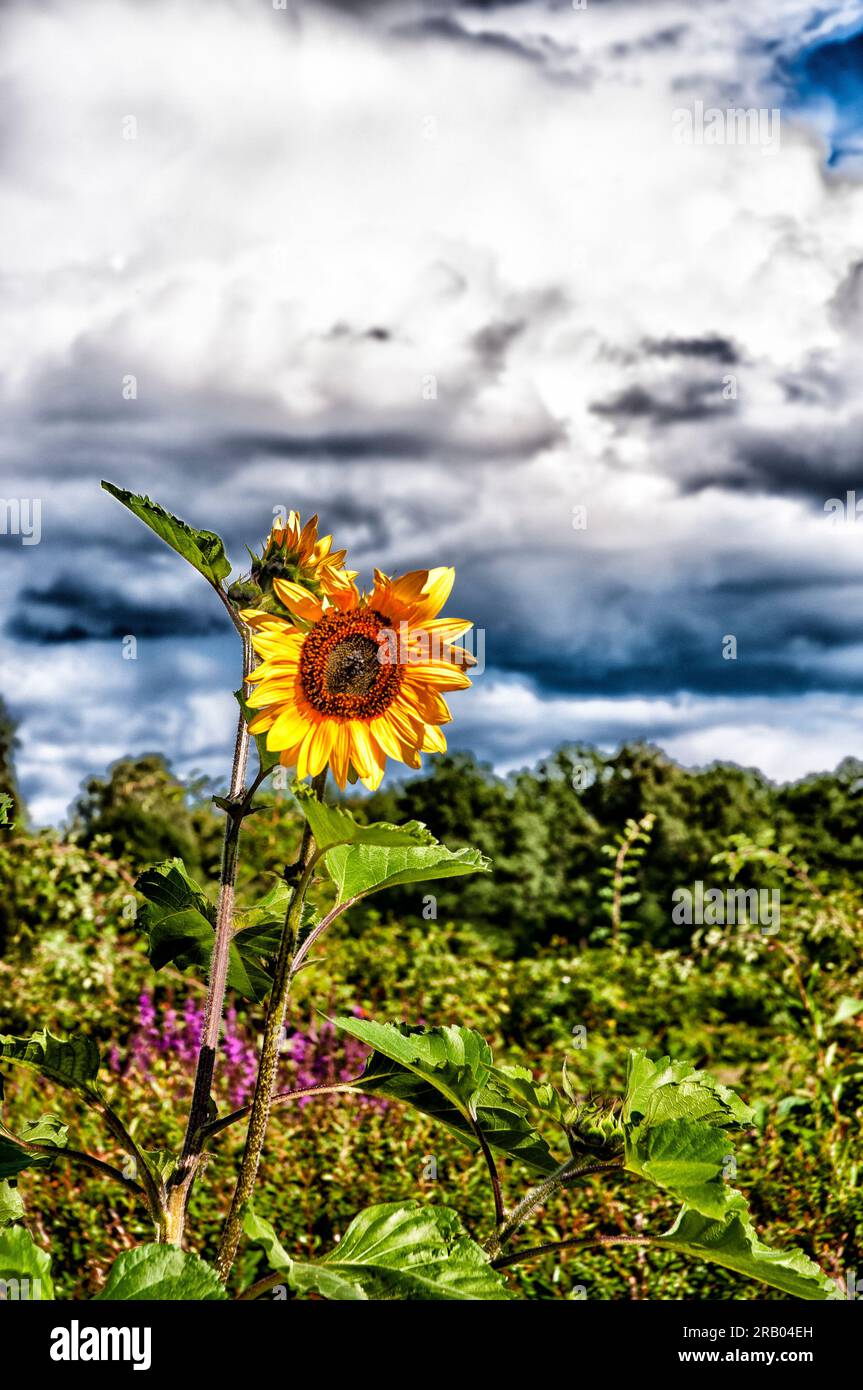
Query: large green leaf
x=455 y=1061
x=362 y=868
x=179 y=922
x=687 y=1159
x=666 y=1090
x=15 y=1157
x=334 y=825
x=398 y=1250
x=362 y=859
x=155 y=1273
x=25 y=1270
x=499 y=1115
x=203 y=549
x=680 y=1145
x=734 y=1244
x=70 y=1062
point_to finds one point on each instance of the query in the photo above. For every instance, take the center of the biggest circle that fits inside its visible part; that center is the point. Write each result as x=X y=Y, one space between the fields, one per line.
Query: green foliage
x=141 y=813
x=447 y=1073
x=203 y=549
x=734 y=1245
x=179 y=922
x=11 y=806
x=71 y=1062
x=363 y=859
x=14 y=1154
x=150 y=1273
x=544 y=831
x=334 y=825
x=666 y=1090
x=620 y=889
x=358 y=870
x=676 y=1138
x=398 y=1250
x=778 y=1016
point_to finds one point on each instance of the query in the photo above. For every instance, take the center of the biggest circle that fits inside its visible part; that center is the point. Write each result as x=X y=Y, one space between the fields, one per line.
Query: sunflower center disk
x=352 y=666
x=341 y=670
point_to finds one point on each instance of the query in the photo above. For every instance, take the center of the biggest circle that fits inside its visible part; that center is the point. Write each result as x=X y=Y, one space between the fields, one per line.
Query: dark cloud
x=66 y=610
x=683 y=402
x=711 y=347
x=814 y=463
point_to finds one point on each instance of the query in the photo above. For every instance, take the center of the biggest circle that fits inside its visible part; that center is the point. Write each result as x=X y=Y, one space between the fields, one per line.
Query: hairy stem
x=262 y=1101
x=200 y=1104
x=97 y=1165
x=278 y=1098
x=538 y=1196
x=553 y=1246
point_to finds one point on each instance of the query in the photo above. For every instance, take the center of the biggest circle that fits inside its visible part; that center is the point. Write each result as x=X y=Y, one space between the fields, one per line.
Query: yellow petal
x=439 y=674
x=434 y=741
x=321 y=748
x=299 y=600
x=288 y=729
x=436 y=591
x=362 y=752
x=341 y=753
x=385 y=733
x=373 y=779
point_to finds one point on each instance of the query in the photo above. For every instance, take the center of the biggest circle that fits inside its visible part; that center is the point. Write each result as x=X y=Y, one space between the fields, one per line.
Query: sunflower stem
x=193 y=1143
x=267 y=1067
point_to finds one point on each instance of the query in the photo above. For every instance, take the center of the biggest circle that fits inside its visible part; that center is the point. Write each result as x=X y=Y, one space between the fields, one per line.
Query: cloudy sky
x=284 y=221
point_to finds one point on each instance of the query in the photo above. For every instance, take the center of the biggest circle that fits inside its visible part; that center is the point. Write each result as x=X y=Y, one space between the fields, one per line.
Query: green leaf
x=153 y=1273
x=734 y=1245
x=162 y=1163
x=666 y=1090
x=334 y=825
x=538 y=1095
x=688 y=1156
x=15 y=1156
x=72 y=1062
x=25 y=1270
x=455 y=1061
x=687 y=1159
x=203 y=549
x=398 y=1250
x=439 y=1091
x=5 y=807
x=179 y=922
x=360 y=869
x=11 y=1204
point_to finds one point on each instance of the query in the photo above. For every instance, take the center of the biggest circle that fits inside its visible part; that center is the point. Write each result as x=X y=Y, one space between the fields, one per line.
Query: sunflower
x=350 y=680
x=293 y=552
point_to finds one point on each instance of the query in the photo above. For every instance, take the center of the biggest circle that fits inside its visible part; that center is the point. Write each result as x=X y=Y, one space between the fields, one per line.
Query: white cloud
x=316 y=215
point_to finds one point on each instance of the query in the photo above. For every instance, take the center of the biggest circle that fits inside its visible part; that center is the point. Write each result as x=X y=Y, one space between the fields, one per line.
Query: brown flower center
x=341 y=667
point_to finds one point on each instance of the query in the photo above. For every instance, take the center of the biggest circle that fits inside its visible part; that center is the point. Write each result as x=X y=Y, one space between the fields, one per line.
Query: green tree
x=142 y=813
x=8 y=779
